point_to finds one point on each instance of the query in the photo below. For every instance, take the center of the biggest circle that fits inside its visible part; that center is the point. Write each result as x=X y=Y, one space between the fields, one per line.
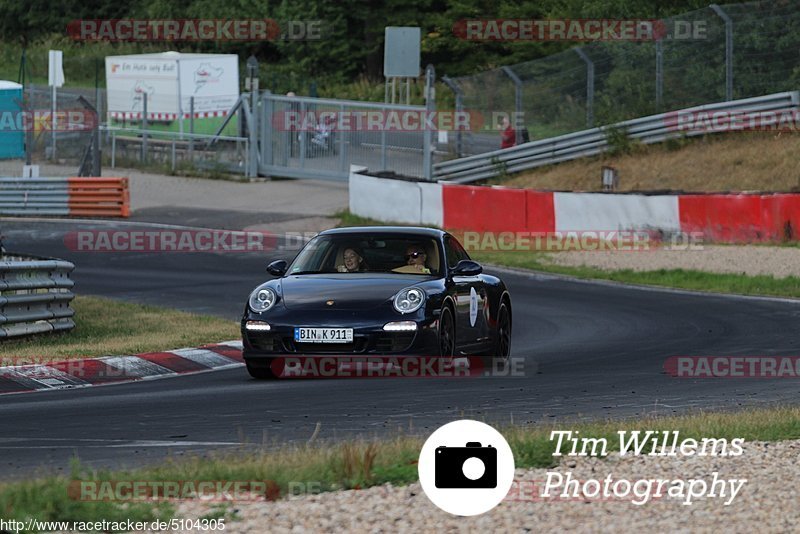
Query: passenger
x=353 y=261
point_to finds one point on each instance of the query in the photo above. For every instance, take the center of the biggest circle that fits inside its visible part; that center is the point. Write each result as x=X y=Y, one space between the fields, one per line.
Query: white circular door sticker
x=466 y=467
x=473 y=306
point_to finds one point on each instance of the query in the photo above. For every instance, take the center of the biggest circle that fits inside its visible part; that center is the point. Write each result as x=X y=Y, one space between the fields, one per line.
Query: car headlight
x=409 y=300
x=262 y=299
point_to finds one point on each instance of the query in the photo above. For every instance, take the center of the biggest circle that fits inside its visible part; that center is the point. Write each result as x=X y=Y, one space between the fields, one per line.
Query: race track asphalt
x=590 y=350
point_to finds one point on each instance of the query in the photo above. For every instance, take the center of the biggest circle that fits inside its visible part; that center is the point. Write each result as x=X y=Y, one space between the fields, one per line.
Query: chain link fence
x=709 y=55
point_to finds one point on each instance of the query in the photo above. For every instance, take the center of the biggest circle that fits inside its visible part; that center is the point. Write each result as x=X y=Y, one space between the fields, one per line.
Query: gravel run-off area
x=751 y=260
x=767 y=502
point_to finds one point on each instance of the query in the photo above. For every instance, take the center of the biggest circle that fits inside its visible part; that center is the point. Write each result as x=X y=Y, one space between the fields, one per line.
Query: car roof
x=417 y=231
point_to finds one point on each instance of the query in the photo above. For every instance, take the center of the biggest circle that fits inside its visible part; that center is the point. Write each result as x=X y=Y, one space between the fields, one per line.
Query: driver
x=415 y=260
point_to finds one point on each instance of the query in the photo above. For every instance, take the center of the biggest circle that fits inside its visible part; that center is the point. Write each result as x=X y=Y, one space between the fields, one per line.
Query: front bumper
x=369 y=337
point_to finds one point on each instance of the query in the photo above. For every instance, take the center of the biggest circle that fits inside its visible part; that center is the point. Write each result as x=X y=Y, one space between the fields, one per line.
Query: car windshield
x=374 y=254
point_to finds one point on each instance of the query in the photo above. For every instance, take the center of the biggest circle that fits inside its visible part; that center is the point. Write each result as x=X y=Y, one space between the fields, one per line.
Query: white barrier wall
x=422 y=203
x=604 y=212
x=399 y=201
x=432 y=204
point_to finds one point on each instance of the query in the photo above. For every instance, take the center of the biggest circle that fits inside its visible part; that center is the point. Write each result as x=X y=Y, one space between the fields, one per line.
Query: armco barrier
x=80 y=197
x=725 y=218
x=647 y=130
x=36 y=293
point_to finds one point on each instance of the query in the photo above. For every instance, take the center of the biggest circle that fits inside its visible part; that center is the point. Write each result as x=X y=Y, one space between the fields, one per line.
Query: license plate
x=323 y=335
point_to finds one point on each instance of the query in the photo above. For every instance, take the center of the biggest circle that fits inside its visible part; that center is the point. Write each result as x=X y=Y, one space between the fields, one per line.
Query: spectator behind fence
x=508 y=137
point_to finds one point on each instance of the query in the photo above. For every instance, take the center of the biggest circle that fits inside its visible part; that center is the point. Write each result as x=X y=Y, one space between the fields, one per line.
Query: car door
x=471 y=300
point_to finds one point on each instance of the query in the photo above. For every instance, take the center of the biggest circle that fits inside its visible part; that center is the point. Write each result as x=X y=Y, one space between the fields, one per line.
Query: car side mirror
x=467 y=268
x=277 y=268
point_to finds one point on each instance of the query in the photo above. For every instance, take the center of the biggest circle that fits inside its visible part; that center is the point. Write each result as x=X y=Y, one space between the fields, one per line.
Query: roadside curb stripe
x=119 y=369
x=173 y=362
x=205 y=357
x=135 y=367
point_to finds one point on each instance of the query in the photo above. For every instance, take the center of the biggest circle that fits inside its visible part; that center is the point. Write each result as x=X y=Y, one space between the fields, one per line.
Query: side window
x=455 y=252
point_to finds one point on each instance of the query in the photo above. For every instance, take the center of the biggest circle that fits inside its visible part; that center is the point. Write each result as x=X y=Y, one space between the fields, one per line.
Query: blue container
x=12 y=134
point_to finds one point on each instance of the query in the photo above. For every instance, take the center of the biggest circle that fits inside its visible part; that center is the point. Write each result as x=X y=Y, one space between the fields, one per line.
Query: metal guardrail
x=651 y=129
x=75 y=196
x=221 y=152
x=35 y=295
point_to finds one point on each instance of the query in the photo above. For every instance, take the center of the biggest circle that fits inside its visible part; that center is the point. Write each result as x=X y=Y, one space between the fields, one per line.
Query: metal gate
x=303 y=137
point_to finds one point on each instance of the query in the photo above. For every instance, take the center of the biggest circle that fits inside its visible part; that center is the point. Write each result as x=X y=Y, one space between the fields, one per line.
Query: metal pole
x=96 y=153
x=302 y=136
x=29 y=107
x=252 y=120
x=728 y=50
x=54 y=121
x=659 y=74
x=589 y=87
x=517 y=102
x=144 y=127
x=252 y=144
x=342 y=145
x=430 y=107
x=191 y=129
x=267 y=130
x=252 y=124
x=459 y=109
x=97 y=85
x=383 y=146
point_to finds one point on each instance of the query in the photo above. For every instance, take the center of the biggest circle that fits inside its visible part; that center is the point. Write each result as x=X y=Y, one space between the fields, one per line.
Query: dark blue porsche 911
x=377 y=291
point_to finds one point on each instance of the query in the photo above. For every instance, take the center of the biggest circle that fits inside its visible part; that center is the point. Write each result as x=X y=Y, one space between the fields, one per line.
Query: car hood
x=347 y=291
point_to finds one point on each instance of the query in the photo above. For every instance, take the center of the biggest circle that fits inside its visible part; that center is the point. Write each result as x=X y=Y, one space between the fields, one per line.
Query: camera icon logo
x=466 y=467
x=472 y=466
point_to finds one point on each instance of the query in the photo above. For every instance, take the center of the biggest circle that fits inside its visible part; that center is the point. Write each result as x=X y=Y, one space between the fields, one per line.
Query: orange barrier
x=99 y=197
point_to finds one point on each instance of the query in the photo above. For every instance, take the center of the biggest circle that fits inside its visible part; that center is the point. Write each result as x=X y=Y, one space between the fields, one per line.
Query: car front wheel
x=500 y=354
x=447 y=334
x=262 y=371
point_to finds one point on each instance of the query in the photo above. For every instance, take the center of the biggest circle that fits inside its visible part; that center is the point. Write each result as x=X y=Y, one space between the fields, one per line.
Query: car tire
x=447 y=334
x=261 y=372
x=500 y=354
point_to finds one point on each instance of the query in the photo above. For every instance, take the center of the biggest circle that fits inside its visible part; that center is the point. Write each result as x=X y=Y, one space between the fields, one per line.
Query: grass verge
x=108 y=327
x=355 y=464
x=673 y=278
x=736 y=161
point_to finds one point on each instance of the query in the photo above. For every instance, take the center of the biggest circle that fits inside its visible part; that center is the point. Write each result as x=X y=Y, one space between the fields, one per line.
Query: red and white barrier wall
x=731 y=217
